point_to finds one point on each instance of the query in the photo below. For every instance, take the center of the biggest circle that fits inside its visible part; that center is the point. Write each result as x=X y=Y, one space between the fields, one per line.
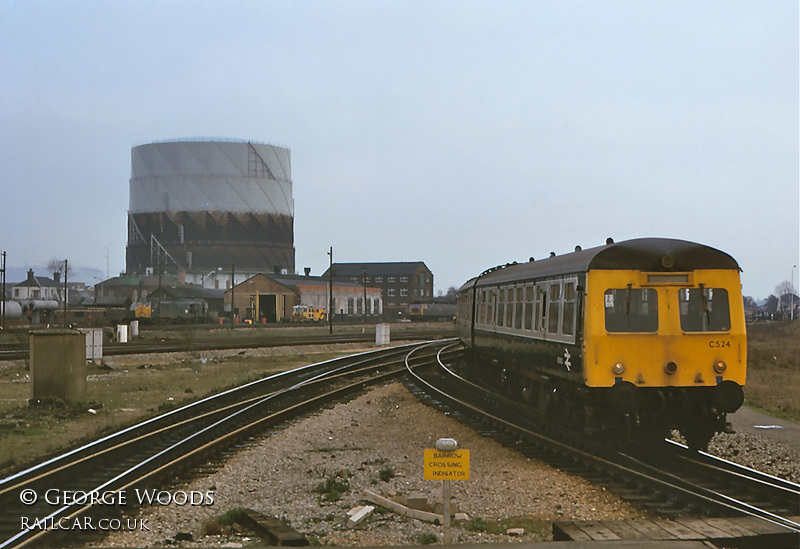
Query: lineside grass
x=773 y=369
x=130 y=391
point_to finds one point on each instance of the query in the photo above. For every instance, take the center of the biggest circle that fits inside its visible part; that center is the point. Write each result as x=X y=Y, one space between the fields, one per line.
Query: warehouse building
x=401 y=283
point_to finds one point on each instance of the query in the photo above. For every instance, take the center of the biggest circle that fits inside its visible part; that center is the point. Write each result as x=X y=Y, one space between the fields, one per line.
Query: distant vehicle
x=304 y=313
x=171 y=311
x=432 y=311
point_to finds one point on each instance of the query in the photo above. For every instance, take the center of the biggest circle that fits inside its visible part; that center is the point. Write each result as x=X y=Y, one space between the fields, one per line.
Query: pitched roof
x=376 y=269
x=645 y=254
x=37 y=282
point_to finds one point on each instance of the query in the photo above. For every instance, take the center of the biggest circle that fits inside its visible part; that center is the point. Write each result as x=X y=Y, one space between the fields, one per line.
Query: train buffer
x=736 y=531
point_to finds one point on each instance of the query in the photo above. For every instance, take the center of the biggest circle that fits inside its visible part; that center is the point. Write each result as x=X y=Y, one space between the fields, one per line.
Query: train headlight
x=720 y=366
x=671 y=368
x=618 y=368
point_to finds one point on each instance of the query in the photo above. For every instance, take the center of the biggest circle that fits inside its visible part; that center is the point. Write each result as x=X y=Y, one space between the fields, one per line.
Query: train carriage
x=641 y=336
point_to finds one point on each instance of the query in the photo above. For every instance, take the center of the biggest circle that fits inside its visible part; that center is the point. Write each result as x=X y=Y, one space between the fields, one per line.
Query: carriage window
x=510 y=308
x=568 y=321
x=631 y=310
x=553 y=307
x=704 y=310
x=519 y=307
x=528 y=308
x=539 y=311
x=501 y=309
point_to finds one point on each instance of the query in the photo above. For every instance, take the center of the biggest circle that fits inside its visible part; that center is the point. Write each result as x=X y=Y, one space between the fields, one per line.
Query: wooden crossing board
x=665 y=529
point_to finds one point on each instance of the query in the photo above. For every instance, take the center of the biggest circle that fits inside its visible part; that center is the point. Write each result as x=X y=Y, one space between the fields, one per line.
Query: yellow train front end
x=669 y=347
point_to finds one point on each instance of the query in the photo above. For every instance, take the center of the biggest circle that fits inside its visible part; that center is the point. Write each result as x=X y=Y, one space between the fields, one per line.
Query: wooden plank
x=679 y=530
x=625 y=531
x=273 y=529
x=759 y=526
x=650 y=529
x=402 y=509
x=704 y=528
x=567 y=531
x=730 y=526
x=597 y=531
x=359 y=515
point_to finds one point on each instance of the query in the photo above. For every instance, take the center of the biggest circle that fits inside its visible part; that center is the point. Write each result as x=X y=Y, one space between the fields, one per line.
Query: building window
x=403 y=292
x=379 y=279
x=403 y=279
x=367 y=279
x=391 y=292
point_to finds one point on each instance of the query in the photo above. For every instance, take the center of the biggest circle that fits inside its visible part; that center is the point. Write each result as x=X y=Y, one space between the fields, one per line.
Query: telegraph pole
x=233 y=294
x=365 y=296
x=66 y=265
x=3 y=294
x=330 y=292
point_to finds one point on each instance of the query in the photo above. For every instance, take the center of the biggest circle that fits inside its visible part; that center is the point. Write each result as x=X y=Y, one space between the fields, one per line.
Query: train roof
x=645 y=254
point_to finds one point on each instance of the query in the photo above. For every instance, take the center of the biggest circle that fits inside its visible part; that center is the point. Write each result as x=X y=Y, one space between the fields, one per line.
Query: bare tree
x=784 y=288
x=57 y=266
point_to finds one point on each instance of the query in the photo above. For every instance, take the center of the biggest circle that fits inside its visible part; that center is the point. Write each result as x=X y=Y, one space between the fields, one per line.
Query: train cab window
x=704 y=310
x=631 y=310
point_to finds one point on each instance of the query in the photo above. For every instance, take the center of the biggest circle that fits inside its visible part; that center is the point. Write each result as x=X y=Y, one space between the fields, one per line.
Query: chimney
x=307 y=271
x=31 y=280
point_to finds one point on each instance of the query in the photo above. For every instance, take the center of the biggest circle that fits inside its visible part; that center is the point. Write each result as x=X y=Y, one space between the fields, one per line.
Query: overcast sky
x=463 y=134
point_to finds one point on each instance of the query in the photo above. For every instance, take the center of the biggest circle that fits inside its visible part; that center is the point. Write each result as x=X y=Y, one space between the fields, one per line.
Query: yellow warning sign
x=446 y=465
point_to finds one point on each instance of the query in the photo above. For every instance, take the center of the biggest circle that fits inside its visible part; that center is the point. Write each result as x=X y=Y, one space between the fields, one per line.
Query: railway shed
x=270 y=297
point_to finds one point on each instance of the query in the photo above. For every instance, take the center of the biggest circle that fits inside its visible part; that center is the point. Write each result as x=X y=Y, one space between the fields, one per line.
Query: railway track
x=71 y=494
x=21 y=352
x=679 y=484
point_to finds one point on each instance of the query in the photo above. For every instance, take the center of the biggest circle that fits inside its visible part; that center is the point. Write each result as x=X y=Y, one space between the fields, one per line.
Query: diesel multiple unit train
x=628 y=340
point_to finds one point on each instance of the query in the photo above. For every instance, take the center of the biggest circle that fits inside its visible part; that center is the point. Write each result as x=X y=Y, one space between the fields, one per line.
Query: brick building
x=401 y=283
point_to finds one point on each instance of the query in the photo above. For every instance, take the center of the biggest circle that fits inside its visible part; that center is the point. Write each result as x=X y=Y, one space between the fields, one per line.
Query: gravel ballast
x=386 y=428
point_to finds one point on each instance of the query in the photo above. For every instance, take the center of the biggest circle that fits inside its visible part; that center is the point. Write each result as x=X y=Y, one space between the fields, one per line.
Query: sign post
x=446 y=462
